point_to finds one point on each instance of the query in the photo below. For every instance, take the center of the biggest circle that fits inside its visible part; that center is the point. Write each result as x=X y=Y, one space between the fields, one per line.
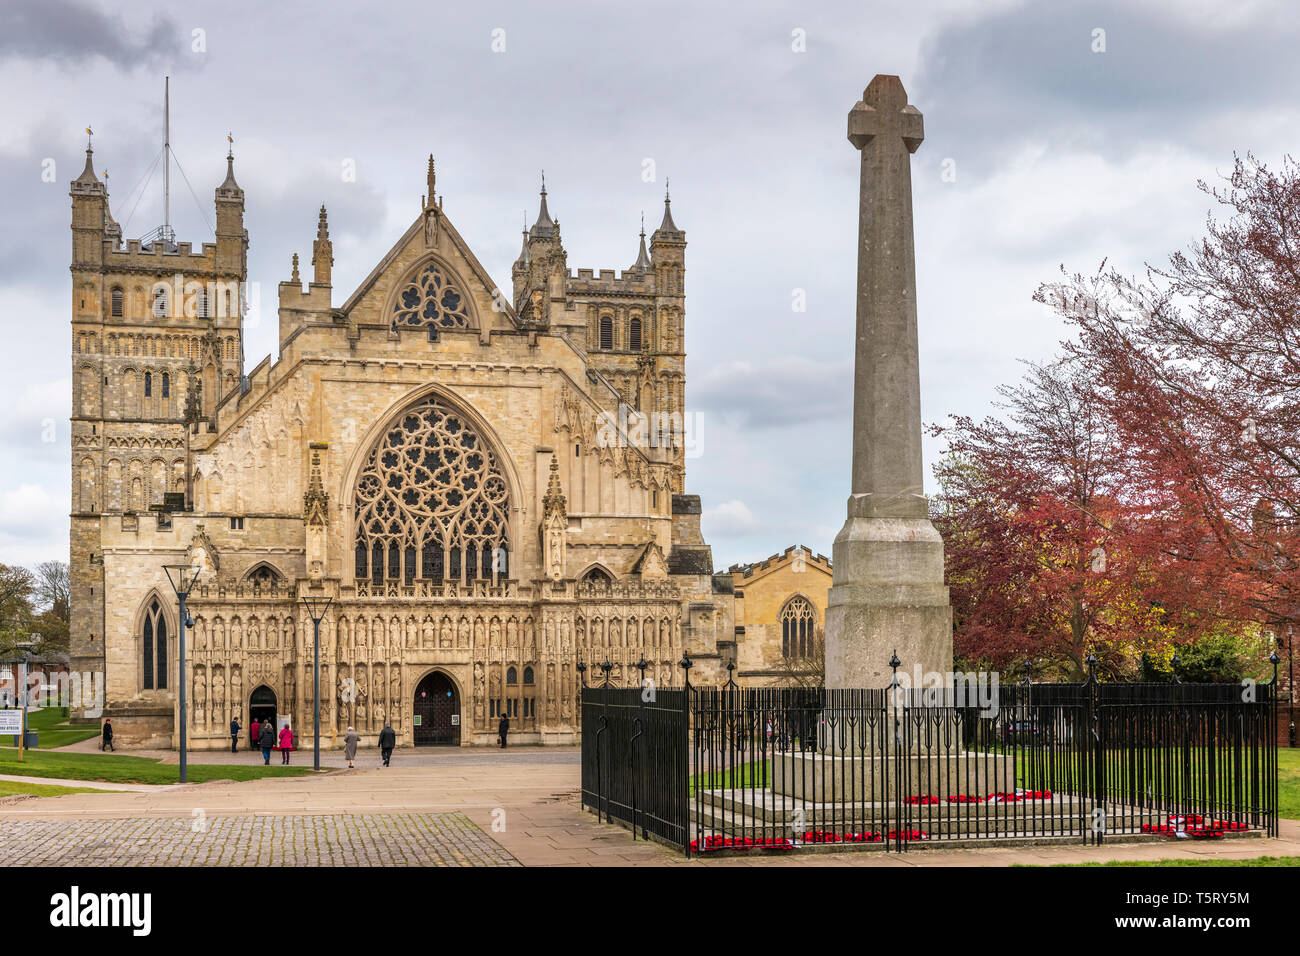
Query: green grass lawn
x=1288 y=782
x=10 y=788
x=744 y=776
x=54 y=729
x=124 y=769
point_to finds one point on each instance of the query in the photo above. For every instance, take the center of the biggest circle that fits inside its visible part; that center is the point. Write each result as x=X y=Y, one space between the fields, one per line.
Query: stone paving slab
x=401 y=839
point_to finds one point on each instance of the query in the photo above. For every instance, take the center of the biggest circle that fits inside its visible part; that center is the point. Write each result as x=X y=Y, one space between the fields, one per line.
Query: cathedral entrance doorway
x=261 y=705
x=437 y=711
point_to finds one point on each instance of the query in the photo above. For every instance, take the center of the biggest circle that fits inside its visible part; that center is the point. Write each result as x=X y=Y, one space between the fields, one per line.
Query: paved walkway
x=399 y=839
x=438 y=806
x=61 y=782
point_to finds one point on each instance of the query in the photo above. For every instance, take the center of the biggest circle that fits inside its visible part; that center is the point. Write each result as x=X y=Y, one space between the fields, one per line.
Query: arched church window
x=154 y=645
x=798 y=621
x=116 y=297
x=148 y=384
x=264 y=577
x=166 y=385
x=606 y=333
x=432 y=494
x=528 y=676
x=634 y=334
x=431 y=298
x=597 y=577
x=160 y=303
x=512 y=676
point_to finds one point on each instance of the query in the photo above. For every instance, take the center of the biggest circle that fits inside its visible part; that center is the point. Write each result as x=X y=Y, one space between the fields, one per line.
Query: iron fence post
x=1271 y=739
x=639 y=728
x=900 y=756
x=692 y=757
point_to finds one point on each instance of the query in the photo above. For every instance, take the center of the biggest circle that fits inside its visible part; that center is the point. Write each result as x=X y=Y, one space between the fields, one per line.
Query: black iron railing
x=711 y=769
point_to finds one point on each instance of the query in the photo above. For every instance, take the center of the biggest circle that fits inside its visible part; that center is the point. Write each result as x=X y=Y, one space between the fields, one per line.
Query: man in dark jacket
x=387 y=741
x=266 y=740
x=234 y=734
x=503 y=728
x=108 y=735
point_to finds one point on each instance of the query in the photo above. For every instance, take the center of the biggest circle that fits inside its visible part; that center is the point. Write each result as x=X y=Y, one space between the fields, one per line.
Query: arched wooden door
x=437 y=711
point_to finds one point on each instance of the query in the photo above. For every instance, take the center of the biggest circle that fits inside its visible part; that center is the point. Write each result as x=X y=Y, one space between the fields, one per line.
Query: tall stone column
x=887 y=592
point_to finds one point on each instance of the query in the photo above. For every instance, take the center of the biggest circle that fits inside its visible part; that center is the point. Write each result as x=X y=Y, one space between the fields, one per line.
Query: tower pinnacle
x=322 y=251
x=543 y=228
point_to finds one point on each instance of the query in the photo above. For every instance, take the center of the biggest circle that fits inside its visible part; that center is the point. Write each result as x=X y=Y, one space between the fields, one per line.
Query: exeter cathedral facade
x=489 y=486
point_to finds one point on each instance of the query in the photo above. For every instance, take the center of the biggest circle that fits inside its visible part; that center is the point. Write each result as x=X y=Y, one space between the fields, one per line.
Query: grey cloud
x=778 y=393
x=71 y=33
x=1029 y=73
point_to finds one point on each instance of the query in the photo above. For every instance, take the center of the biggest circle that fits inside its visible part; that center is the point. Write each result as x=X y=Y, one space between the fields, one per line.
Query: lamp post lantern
x=316 y=606
x=182 y=578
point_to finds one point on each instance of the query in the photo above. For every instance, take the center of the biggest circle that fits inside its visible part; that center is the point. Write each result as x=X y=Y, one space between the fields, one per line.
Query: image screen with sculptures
x=465 y=472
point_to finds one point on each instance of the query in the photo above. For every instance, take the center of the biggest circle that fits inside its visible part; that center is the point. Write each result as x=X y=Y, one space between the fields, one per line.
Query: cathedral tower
x=156 y=337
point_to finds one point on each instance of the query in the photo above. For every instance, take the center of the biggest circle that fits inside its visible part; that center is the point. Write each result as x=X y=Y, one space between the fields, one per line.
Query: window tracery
x=798 y=621
x=431 y=502
x=431 y=298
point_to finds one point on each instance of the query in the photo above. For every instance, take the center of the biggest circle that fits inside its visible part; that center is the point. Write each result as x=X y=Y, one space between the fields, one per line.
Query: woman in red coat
x=286 y=743
x=252 y=732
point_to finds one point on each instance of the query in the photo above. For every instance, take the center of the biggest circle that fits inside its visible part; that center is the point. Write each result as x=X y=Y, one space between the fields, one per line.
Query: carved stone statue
x=199 y=717
x=218 y=698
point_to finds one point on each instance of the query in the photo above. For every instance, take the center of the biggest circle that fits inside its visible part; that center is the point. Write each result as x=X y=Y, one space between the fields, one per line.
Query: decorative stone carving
x=555 y=525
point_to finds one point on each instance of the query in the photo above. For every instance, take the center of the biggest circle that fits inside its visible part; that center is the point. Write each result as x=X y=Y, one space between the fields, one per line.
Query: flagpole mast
x=167 y=160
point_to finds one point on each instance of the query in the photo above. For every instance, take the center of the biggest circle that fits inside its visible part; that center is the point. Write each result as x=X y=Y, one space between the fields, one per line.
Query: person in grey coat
x=350 y=741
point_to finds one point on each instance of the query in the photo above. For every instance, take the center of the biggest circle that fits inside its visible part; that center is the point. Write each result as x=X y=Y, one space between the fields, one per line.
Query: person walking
x=387 y=741
x=350 y=741
x=286 y=744
x=107 y=742
x=253 y=730
x=266 y=740
x=234 y=734
x=503 y=728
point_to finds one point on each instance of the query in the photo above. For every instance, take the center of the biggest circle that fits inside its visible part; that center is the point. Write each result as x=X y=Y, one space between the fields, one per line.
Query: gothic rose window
x=797 y=623
x=431 y=502
x=431 y=299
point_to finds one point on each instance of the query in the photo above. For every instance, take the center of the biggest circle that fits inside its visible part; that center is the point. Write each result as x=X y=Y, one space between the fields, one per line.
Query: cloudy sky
x=1063 y=153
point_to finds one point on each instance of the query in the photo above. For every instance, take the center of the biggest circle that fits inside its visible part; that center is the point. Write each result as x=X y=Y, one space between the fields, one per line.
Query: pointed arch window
x=431 y=501
x=798 y=625
x=597 y=578
x=166 y=385
x=634 y=334
x=431 y=298
x=512 y=677
x=264 y=578
x=154 y=647
x=148 y=384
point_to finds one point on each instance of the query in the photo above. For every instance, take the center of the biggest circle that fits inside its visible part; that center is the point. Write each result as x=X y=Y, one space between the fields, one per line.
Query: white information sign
x=11 y=721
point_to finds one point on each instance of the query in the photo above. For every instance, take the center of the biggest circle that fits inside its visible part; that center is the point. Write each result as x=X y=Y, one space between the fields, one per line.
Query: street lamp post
x=182 y=578
x=316 y=605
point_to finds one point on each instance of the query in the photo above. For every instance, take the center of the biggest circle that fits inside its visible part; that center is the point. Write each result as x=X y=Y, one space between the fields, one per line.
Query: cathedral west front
x=490 y=485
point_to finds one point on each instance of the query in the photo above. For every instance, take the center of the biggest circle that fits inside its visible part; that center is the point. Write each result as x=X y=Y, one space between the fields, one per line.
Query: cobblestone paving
x=345 y=839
